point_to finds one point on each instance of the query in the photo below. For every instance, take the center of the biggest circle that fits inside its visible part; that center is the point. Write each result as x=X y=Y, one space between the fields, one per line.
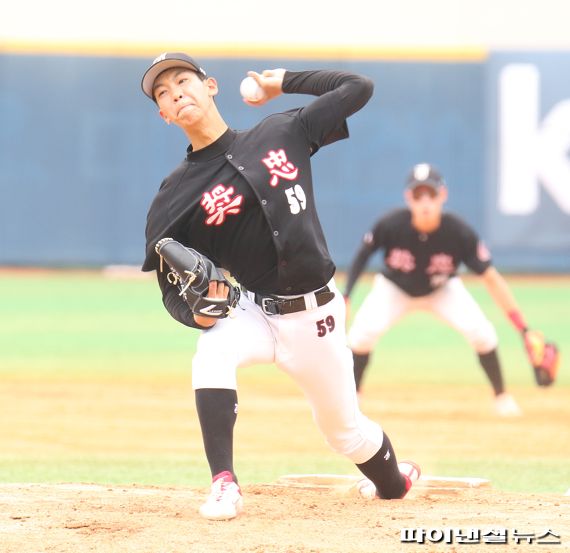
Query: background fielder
x=423 y=249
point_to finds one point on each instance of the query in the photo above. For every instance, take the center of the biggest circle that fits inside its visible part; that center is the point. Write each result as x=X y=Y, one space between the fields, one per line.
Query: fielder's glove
x=544 y=357
x=192 y=272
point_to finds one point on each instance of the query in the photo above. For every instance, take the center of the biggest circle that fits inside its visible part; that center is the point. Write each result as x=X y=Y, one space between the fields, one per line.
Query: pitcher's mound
x=341 y=481
x=277 y=518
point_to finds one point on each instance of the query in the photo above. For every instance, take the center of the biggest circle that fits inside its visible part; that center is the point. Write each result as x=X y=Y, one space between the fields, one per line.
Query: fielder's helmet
x=424 y=174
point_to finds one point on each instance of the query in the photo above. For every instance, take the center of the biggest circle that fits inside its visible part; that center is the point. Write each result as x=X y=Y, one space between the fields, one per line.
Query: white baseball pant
x=321 y=365
x=387 y=303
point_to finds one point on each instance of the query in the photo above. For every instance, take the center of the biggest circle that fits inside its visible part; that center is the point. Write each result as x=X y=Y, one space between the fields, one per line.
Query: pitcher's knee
x=359 y=443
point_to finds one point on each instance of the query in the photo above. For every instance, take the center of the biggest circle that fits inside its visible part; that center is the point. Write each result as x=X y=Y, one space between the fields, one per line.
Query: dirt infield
x=86 y=418
x=71 y=518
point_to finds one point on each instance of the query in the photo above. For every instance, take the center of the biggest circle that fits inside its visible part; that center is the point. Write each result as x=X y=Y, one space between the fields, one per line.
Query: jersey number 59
x=296 y=198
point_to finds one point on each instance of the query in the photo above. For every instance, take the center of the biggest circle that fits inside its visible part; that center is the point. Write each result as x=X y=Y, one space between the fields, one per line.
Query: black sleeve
x=357 y=267
x=174 y=303
x=371 y=241
x=340 y=95
x=156 y=228
x=476 y=256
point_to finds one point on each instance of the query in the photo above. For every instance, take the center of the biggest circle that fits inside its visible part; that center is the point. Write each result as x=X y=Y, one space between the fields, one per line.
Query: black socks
x=382 y=469
x=490 y=363
x=217 y=412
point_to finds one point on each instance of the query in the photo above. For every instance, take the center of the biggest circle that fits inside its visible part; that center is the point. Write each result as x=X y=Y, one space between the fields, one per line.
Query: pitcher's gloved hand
x=192 y=272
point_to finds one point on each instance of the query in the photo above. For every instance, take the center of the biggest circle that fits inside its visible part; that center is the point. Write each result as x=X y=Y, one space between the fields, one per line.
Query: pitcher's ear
x=164 y=117
x=212 y=85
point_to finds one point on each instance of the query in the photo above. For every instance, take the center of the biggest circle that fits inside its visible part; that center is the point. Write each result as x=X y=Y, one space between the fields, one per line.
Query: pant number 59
x=325 y=325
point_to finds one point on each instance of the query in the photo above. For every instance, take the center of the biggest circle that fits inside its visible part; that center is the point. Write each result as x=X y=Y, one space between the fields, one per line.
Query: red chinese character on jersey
x=219 y=202
x=440 y=263
x=279 y=166
x=402 y=260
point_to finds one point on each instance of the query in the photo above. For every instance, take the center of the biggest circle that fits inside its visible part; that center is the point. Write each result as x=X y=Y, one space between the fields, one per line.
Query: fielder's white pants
x=387 y=303
x=321 y=365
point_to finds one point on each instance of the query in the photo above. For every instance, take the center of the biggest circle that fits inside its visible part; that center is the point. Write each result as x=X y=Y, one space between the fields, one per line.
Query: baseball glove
x=192 y=272
x=544 y=357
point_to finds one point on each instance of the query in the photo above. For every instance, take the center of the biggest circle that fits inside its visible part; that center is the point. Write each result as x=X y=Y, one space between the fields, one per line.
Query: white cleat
x=225 y=501
x=366 y=489
x=411 y=472
x=506 y=406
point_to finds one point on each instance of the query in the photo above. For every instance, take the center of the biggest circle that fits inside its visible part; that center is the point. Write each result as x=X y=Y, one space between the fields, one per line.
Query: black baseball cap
x=162 y=63
x=424 y=174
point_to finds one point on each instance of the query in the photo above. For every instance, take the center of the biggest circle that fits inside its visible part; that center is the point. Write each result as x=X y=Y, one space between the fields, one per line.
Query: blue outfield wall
x=82 y=153
x=527 y=199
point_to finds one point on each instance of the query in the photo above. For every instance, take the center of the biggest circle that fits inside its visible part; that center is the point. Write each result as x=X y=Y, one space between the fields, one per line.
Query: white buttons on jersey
x=263 y=202
x=275 y=233
x=229 y=156
x=241 y=167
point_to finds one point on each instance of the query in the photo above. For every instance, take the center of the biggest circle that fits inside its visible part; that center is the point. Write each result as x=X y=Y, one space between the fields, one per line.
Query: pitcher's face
x=182 y=97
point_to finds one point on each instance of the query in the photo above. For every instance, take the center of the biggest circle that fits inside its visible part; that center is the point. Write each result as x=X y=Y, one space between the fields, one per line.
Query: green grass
x=68 y=323
x=65 y=322
x=83 y=327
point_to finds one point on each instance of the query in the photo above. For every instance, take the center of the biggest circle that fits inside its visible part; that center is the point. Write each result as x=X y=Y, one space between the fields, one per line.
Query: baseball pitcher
x=244 y=202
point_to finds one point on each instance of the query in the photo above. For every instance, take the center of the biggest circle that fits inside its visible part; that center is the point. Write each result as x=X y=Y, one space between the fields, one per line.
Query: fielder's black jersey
x=417 y=262
x=246 y=201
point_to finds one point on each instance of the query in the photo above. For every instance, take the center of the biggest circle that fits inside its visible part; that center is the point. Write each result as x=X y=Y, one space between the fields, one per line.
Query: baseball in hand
x=250 y=90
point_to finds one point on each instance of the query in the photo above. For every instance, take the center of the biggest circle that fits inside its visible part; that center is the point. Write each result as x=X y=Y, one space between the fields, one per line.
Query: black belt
x=276 y=305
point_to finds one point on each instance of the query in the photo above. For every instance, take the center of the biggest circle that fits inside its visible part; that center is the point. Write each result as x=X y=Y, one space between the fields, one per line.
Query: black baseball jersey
x=246 y=200
x=417 y=262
